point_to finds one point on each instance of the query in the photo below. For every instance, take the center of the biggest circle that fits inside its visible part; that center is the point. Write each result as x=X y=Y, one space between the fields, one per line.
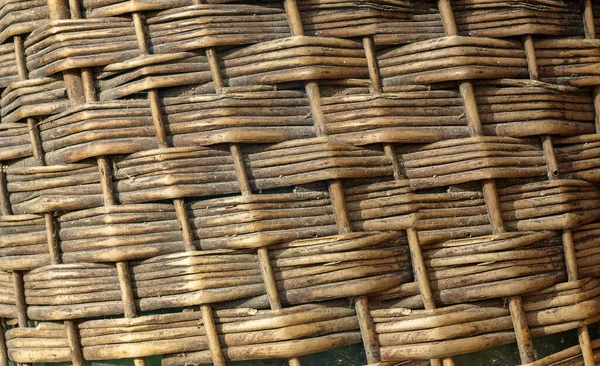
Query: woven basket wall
x=237 y=180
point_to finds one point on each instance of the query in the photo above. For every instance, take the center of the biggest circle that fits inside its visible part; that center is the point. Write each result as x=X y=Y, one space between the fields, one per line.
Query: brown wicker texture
x=230 y=180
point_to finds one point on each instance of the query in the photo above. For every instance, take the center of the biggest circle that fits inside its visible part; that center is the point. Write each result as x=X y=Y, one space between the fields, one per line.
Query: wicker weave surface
x=238 y=181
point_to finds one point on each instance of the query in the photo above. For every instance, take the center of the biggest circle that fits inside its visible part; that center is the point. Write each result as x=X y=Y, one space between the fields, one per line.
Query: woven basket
x=234 y=181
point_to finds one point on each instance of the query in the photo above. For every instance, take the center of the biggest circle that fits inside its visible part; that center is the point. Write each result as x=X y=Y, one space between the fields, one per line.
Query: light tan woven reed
x=279 y=179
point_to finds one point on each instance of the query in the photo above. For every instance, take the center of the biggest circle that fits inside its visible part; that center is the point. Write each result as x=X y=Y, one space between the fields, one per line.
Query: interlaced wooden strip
x=335 y=187
x=523 y=336
x=419 y=269
x=567 y=235
x=5 y=209
x=19 y=291
x=297 y=176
